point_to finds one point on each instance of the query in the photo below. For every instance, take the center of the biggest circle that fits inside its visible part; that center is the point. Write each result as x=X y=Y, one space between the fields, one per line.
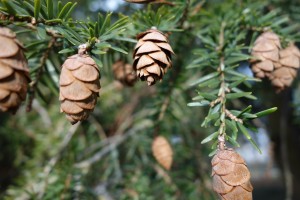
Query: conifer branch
x=222 y=90
x=33 y=85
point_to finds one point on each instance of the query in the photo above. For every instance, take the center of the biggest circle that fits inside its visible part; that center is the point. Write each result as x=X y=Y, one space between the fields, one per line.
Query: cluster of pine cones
x=273 y=62
x=79 y=78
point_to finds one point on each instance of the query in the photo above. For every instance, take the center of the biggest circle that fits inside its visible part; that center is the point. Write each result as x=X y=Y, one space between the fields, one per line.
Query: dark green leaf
x=202 y=103
x=50 y=10
x=233 y=141
x=37 y=8
x=205 y=78
x=210 y=137
x=118 y=49
x=213 y=153
x=248 y=109
x=237 y=95
x=266 y=112
x=68 y=50
x=64 y=10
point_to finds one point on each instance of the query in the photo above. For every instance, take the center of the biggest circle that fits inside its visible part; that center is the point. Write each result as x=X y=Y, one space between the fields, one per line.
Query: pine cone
x=286 y=71
x=14 y=72
x=231 y=177
x=79 y=87
x=124 y=73
x=162 y=152
x=266 y=50
x=152 y=56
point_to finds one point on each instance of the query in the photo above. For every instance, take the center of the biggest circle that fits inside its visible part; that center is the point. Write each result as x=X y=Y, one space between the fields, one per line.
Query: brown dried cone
x=79 y=87
x=162 y=151
x=152 y=56
x=124 y=73
x=231 y=177
x=286 y=71
x=266 y=52
x=14 y=71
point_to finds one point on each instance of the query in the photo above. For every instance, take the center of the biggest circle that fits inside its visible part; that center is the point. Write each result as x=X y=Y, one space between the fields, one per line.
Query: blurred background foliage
x=109 y=155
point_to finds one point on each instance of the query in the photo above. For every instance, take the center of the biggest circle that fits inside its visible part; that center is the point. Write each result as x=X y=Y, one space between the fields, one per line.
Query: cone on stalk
x=162 y=152
x=79 y=86
x=289 y=63
x=152 y=56
x=124 y=73
x=231 y=177
x=14 y=72
x=266 y=54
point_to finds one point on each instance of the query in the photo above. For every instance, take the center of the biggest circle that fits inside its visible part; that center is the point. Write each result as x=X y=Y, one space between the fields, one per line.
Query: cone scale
x=79 y=86
x=289 y=63
x=152 y=56
x=231 y=177
x=266 y=54
x=14 y=72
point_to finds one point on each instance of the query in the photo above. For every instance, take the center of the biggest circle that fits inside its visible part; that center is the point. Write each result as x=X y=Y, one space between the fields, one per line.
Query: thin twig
x=33 y=84
x=185 y=13
x=43 y=113
x=113 y=144
x=222 y=90
x=233 y=117
x=116 y=141
x=53 y=161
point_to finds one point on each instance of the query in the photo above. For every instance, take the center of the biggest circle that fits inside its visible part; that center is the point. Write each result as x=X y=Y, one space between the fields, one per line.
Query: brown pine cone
x=266 y=51
x=152 y=56
x=162 y=151
x=14 y=72
x=286 y=71
x=124 y=73
x=231 y=177
x=79 y=87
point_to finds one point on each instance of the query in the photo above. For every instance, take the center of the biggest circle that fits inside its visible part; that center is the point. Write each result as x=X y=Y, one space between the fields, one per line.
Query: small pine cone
x=266 y=50
x=152 y=56
x=124 y=73
x=162 y=151
x=286 y=71
x=231 y=177
x=14 y=72
x=79 y=87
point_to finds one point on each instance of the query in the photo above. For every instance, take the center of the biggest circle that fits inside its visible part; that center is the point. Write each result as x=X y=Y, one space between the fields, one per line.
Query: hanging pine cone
x=266 y=50
x=152 y=56
x=124 y=73
x=231 y=177
x=14 y=71
x=162 y=151
x=284 y=74
x=79 y=86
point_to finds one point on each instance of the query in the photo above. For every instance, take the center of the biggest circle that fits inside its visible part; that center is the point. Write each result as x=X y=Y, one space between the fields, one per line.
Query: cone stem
x=222 y=90
x=224 y=112
x=82 y=49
